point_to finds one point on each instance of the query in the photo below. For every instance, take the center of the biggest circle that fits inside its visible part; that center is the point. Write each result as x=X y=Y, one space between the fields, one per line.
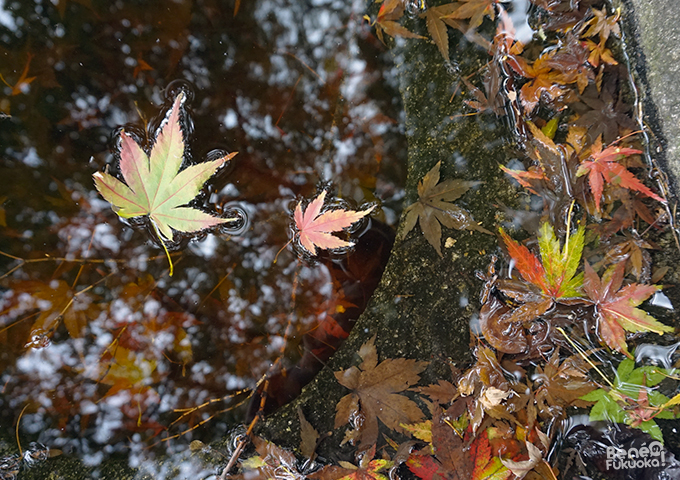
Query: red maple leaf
x=487 y=466
x=314 y=229
x=615 y=306
x=603 y=168
x=422 y=466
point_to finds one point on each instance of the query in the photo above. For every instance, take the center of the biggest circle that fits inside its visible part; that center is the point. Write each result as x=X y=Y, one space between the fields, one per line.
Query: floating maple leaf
x=434 y=208
x=601 y=24
x=437 y=28
x=555 y=273
x=549 y=280
x=615 y=306
x=603 y=168
x=543 y=80
x=375 y=393
x=314 y=229
x=155 y=187
x=391 y=11
x=475 y=11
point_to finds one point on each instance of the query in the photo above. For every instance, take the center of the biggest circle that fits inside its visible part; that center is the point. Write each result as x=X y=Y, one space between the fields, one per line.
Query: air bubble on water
x=413 y=8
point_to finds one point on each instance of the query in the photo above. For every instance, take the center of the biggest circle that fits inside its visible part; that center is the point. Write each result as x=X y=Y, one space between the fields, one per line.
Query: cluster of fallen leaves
x=491 y=422
x=580 y=143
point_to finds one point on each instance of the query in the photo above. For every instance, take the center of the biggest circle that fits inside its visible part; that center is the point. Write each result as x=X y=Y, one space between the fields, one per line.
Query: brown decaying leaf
x=308 y=435
x=475 y=11
x=434 y=208
x=443 y=392
x=270 y=462
x=448 y=446
x=560 y=385
x=437 y=28
x=375 y=394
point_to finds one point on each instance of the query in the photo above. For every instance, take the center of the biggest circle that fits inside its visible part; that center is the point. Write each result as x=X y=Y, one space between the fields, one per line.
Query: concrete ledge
x=653 y=45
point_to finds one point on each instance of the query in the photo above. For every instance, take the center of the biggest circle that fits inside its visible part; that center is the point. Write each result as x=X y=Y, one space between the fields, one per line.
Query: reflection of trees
x=97 y=337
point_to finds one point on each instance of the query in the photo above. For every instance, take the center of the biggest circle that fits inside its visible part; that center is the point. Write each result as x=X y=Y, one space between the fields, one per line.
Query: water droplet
x=38 y=340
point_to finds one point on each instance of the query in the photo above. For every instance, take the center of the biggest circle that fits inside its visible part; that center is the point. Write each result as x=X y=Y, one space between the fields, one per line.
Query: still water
x=107 y=354
x=101 y=348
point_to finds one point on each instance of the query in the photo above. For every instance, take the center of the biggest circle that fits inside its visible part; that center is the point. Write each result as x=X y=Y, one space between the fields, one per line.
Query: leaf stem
x=167 y=254
x=584 y=356
x=566 y=241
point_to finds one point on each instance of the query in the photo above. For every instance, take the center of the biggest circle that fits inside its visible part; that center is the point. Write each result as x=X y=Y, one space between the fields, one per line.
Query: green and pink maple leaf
x=155 y=187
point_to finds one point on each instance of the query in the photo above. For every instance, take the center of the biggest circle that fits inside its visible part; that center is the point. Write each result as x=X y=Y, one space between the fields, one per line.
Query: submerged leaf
x=375 y=393
x=434 y=208
x=631 y=400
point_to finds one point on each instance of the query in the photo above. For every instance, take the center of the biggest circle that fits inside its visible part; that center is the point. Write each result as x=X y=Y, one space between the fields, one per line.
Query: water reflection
x=99 y=344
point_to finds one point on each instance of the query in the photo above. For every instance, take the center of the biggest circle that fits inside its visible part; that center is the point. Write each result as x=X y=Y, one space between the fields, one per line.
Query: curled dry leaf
x=375 y=394
x=492 y=397
x=521 y=468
